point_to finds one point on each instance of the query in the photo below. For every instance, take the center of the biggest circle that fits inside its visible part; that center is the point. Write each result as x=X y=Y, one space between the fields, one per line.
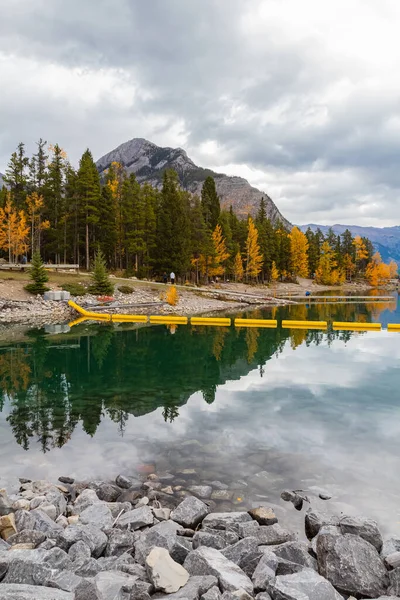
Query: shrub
x=101 y=283
x=38 y=275
x=126 y=289
x=75 y=289
x=172 y=296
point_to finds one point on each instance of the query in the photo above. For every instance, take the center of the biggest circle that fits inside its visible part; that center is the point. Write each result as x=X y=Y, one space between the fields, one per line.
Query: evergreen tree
x=38 y=275
x=200 y=240
x=210 y=203
x=106 y=228
x=16 y=176
x=54 y=202
x=89 y=194
x=101 y=283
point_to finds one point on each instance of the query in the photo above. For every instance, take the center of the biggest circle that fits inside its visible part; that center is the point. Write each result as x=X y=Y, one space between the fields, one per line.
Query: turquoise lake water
x=258 y=409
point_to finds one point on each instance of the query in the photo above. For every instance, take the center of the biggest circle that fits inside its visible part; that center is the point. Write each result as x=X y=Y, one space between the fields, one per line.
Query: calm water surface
x=258 y=409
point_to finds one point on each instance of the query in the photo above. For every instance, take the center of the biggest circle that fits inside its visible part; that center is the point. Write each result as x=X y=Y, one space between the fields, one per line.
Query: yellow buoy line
x=224 y=321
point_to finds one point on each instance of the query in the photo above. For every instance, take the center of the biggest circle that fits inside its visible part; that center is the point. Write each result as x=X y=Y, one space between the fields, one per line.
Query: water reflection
x=308 y=408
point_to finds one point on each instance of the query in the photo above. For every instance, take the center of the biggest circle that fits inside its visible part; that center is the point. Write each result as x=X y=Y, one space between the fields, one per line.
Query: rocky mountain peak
x=149 y=161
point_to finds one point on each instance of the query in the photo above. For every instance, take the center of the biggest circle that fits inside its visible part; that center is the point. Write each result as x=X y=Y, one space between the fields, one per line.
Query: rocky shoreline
x=149 y=535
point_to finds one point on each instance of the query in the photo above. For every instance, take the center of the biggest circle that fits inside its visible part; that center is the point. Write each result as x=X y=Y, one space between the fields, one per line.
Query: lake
x=260 y=410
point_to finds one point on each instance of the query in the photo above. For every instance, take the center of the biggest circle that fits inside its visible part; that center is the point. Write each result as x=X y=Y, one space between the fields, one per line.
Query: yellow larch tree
x=349 y=266
x=238 y=267
x=35 y=203
x=14 y=230
x=377 y=272
x=298 y=253
x=327 y=272
x=220 y=252
x=361 y=250
x=254 y=259
x=393 y=269
x=274 y=272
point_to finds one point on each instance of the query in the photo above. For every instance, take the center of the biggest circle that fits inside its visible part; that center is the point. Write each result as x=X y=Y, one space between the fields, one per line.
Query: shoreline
x=150 y=534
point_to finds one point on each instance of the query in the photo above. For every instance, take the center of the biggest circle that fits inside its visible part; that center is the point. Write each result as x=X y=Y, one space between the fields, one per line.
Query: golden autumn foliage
x=172 y=296
x=377 y=272
x=349 y=266
x=298 y=252
x=35 y=204
x=274 y=272
x=220 y=252
x=238 y=267
x=361 y=250
x=254 y=257
x=327 y=272
x=14 y=230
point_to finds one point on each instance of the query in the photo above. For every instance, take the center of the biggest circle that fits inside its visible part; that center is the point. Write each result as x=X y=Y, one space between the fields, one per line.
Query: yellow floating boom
x=394 y=327
x=219 y=321
x=168 y=320
x=304 y=324
x=356 y=326
x=272 y=323
x=129 y=318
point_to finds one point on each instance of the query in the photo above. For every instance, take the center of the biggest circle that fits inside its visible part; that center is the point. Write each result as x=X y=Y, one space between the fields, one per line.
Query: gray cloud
x=306 y=99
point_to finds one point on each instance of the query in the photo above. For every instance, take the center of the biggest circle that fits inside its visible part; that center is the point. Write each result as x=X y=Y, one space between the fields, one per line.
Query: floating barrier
x=394 y=327
x=129 y=318
x=304 y=324
x=271 y=323
x=168 y=320
x=356 y=326
x=218 y=321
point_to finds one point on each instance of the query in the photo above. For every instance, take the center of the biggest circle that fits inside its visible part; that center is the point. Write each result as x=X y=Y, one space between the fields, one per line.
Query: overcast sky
x=301 y=98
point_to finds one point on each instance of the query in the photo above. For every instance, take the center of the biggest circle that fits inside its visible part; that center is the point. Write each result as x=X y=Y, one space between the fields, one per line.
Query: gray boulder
x=352 y=565
x=98 y=515
x=128 y=482
x=225 y=520
x=365 y=528
x=88 y=568
x=214 y=538
x=265 y=571
x=306 y=585
x=163 y=535
x=263 y=596
x=314 y=520
x=27 y=536
x=247 y=529
x=263 y=515
x=24 y=520
x=389 y=546
x=296 y=552
x=30 y=592
x=201 y=491
x=87 y=590
x=195 y=587
x=394 y=578
x=64 y=580
x=271 y=535
x=392 y=561
x=111 y=583
x=119 y=541
x=190 y=512
x=30 y=573
x=92 y=536
x=212 y=594
x=44 y=523
x=237 y=552
x=86 y=498
x=107 y=491
x=136 y=518
x=208 y=561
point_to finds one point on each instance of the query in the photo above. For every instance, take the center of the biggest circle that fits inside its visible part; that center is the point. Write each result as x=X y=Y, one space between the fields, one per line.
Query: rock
x=263 y=515
x=28 y=572
x=79 y=552
x=394 y=578
x=92 y=536
x=5 y=506
x=162 y=514
x=7 y=526
x=163 y=535
x=142 y=502
x=87 y=590
x=48 y=544
x=247 y=529
x=365 y=528
x=107 y=492
x=119 y=542
x=263 y=596
x=30 y=592
x=273 y=534
x=389 y=546
x=68 y=480
x=50 y=510
x=392 y=561
x=27 y=537
x=296 y=552
x=89 y=568
x=306 y=585
x=190 y=512
x=98 y=515
x=215 y=538
x=196 y=587
x=314 y=520
x=241 y=549
x=165 y=574
x=4 y=545
x=201 y=491
x=131 y=495
x=128 y=482
x=324 y=496
x=208 y=561
x=63 y=521
x=136 y=518
x=352 y=565
x=57 y=559
x=227 y=520
x=57 y=499
x=21 y=504
x=44 y=523
x=111 y=583
x=86 y=498
x=118 y=508
x=23 y=546
x=222 y=495
x=64 y=580
x=24 y=520
x=73 y=520
x=238 y=595
x=264 y=571
x=212 y=594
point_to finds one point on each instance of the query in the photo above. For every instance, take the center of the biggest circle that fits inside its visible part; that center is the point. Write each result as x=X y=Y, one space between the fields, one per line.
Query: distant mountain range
x=386 y=240
x=149 y=162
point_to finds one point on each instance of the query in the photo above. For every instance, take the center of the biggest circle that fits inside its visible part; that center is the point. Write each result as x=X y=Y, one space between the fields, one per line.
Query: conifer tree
x=38 y=275
x=274 y=272
x=16 y=176
x=253 y=255
x=89 y=193
x=220 y=252
x=210 y=203
x=101 y=283
x=238 y=267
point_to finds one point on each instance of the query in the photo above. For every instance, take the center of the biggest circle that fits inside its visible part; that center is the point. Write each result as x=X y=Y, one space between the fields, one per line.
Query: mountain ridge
x=386 y=240
x=149 y=161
